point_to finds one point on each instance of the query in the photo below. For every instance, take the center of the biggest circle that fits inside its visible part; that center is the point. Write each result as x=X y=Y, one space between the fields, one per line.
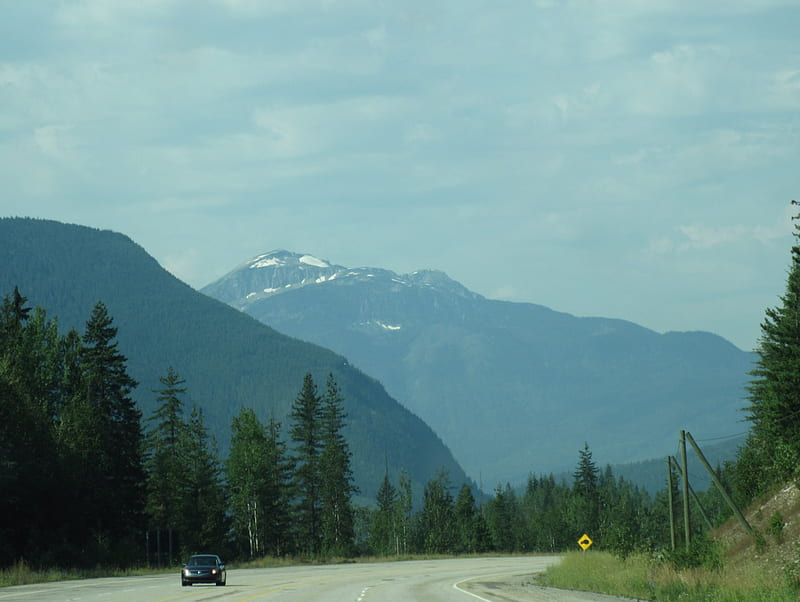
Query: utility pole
x=671 y=504
x=694 y=497
x=685 y=482
x=718 y=483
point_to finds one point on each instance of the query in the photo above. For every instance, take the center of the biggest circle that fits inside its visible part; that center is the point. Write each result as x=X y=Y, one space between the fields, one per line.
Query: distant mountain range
x=228 y=359
x=512 y=388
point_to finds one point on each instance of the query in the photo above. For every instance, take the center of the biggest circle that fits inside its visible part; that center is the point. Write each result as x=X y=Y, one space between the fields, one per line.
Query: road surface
x=448 y=580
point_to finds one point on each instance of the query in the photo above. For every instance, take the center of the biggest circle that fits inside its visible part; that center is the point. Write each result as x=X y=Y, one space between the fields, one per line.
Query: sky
x=628 y=159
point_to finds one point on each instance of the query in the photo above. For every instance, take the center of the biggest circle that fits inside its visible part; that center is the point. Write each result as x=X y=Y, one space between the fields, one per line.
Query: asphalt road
x=450 y=580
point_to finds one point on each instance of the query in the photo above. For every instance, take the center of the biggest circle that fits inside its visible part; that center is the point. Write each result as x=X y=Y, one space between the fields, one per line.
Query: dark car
x=203 y=568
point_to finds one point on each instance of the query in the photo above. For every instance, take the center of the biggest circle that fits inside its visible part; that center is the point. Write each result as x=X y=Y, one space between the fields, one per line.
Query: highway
x=506 y=579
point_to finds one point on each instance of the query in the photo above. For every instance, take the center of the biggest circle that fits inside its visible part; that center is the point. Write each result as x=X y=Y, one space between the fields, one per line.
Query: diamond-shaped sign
x=585 y=541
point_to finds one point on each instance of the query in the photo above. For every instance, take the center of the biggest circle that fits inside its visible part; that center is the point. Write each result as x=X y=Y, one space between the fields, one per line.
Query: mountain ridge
x=227 y=358
x=477 y=370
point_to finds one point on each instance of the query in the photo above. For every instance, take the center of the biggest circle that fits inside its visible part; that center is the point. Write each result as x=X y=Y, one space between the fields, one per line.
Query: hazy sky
x=617 y=158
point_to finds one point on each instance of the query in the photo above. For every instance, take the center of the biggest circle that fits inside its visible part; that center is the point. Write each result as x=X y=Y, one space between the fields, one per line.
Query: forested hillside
x=228 y=359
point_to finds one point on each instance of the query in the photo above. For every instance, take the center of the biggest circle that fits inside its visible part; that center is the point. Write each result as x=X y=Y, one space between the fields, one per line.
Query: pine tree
x=467 y=523
x=501 y=518
x=383 y=535
x=586 y=500
x=117 y=496
x=165 y=461
x=205 y=503
x=306 y=433
x=336 y=476
x=775 y=390
x=403 y=516
x=29 y=478
x=277 y=483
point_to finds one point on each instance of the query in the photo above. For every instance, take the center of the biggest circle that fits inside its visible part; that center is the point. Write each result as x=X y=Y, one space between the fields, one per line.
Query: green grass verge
x=646 y=578
x=22 y=574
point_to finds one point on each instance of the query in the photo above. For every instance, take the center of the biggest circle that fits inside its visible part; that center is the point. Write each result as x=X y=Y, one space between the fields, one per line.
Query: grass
x=21 y=573
x=648 y=578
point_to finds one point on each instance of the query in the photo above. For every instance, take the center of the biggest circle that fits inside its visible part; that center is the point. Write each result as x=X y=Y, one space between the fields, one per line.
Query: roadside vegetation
x=651 y=577
x=20 y=573
x=727 y=563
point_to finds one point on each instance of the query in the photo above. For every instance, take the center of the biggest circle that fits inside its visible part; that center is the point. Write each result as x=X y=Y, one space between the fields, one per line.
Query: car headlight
x=213 y=571
x=186 y=572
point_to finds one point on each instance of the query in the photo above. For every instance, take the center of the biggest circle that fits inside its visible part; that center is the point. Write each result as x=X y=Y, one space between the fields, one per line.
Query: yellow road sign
x=585 y=542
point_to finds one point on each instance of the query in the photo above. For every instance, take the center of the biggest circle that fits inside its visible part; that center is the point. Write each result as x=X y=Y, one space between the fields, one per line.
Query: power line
x=724 y=437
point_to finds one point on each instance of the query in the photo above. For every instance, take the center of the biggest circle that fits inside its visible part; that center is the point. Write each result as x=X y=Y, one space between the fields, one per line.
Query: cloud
x=702 y=237
x=52 y=141
x=628 y=136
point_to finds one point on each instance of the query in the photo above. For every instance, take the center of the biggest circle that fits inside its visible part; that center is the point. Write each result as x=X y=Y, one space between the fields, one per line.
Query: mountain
x=512 y=388
x=228 y=359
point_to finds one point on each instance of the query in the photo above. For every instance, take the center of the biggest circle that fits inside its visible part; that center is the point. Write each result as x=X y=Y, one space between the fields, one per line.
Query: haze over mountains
x=512 y=388
x=228 y=359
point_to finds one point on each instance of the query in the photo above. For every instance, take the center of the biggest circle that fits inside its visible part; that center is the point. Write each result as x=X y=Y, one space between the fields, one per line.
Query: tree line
x=86 y=480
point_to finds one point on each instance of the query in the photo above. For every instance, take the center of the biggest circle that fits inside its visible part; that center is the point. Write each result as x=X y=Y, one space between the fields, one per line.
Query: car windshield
x=202 y=560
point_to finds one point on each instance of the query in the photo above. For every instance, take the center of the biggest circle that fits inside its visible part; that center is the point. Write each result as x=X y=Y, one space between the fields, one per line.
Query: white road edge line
x=463 y=591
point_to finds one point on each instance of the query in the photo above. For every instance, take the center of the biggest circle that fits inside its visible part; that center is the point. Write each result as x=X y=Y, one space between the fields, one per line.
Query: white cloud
x=52 y=141
x=703 y=237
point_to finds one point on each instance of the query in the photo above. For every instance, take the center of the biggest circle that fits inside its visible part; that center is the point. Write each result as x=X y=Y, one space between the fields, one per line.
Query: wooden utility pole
x=671 y=504
x=694 y=496
x=718 y=483
x=685 y=482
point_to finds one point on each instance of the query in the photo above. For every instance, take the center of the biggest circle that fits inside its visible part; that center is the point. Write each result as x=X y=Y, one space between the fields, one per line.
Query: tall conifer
x=774 y=393
x=165 y=461
x=336 y=475
x=306 y=433
x=116 y=446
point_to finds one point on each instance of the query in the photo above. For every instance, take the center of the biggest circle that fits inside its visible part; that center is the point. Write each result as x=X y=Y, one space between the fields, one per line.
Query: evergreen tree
x=586 y=500
x=32 y=502
x=205 y=503
x=336 y=476
x=501 y=518
x=620 y=513
x=166 y=461
x=384 y=538
x=775 y=390
x=541 y=515
x=306 y=433
x=467 y=523
x=403 y=518
x=277 y=483
x=116 y=496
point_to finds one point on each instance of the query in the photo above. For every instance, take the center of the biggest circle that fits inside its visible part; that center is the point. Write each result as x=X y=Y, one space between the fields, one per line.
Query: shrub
x=702 y=552
x=775 y=527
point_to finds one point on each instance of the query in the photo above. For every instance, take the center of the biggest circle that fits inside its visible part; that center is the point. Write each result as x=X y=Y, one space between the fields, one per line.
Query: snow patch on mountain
x=311 y=260
x=265 y=261
x=383 y=325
